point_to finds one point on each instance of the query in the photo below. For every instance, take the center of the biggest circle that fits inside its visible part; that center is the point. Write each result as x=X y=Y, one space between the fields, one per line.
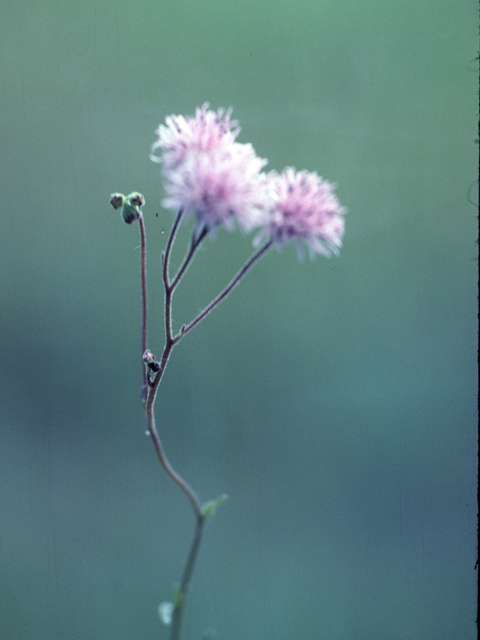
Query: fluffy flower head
x=209 y=174
x=207 y=131
x=221 y=187
x=306 y=211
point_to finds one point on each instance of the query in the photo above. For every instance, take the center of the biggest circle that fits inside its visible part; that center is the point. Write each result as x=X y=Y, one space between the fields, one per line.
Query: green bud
x=136 y=199
x=129 y=213
x=116 y=200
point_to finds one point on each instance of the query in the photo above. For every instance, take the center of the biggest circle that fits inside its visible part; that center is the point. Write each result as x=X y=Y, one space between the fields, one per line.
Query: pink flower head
x=307 y=211
x=221 y=187
x=211 y=175
x=206 y=131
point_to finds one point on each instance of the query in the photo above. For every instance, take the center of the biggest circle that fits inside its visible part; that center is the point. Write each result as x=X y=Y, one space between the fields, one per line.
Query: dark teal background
x=334 y=401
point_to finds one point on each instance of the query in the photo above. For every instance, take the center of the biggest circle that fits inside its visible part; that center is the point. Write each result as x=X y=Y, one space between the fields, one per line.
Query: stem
x=184 y=486
x=186 y=578
x=194 y=244
x=166 y=282
x=171 y=238
x=258 y=254
x=143 y=274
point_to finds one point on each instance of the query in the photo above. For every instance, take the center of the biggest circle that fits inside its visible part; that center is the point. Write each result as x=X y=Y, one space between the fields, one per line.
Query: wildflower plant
x=219 y=182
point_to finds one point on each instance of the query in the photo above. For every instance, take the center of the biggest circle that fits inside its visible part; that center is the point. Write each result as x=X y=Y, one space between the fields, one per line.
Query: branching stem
x=258 y=254
x=170 y=341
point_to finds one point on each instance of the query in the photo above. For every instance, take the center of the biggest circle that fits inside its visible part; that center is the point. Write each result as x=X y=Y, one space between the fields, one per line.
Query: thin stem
x=186 y=578
x=258 y=254
x=194 y=244
x=143 y=274
x=171 y=238
x=184 y=486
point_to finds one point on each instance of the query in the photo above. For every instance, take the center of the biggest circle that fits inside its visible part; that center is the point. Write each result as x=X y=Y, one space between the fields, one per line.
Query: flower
x=206 y=132
x=307 y=211
x=210 y=174
x=221 y=187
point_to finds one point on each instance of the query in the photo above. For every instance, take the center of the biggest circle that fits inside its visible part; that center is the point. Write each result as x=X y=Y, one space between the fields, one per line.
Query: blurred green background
x=334 y=401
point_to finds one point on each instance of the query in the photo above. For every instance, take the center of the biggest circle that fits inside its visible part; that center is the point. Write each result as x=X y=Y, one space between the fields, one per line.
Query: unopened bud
x=130 y=213
x=116 y=200
x=136 y=199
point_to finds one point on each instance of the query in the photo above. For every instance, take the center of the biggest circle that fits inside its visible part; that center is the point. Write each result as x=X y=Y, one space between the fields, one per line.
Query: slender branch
x=169 y=287
x=166 y=255
x=186 y=578
x=258 y=254
x=184 y=486
x=194 y=244
x=143 y=274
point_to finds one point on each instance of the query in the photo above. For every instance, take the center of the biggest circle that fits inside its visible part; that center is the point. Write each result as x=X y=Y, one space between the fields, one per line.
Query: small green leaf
x=177 y=595
x=211 y=506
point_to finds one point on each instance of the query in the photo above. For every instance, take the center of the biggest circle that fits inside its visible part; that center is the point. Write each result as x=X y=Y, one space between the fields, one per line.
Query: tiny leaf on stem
x=209 y=508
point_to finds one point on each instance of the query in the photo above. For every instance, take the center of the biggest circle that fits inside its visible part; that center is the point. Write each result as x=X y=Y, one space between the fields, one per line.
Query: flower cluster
x=208 y=173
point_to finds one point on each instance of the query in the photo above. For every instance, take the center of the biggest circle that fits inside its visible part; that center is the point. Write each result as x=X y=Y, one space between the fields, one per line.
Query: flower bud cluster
x=131 y=205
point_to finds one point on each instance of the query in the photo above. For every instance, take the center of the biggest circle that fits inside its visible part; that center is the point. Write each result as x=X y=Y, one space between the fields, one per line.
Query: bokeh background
x=334 y=401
